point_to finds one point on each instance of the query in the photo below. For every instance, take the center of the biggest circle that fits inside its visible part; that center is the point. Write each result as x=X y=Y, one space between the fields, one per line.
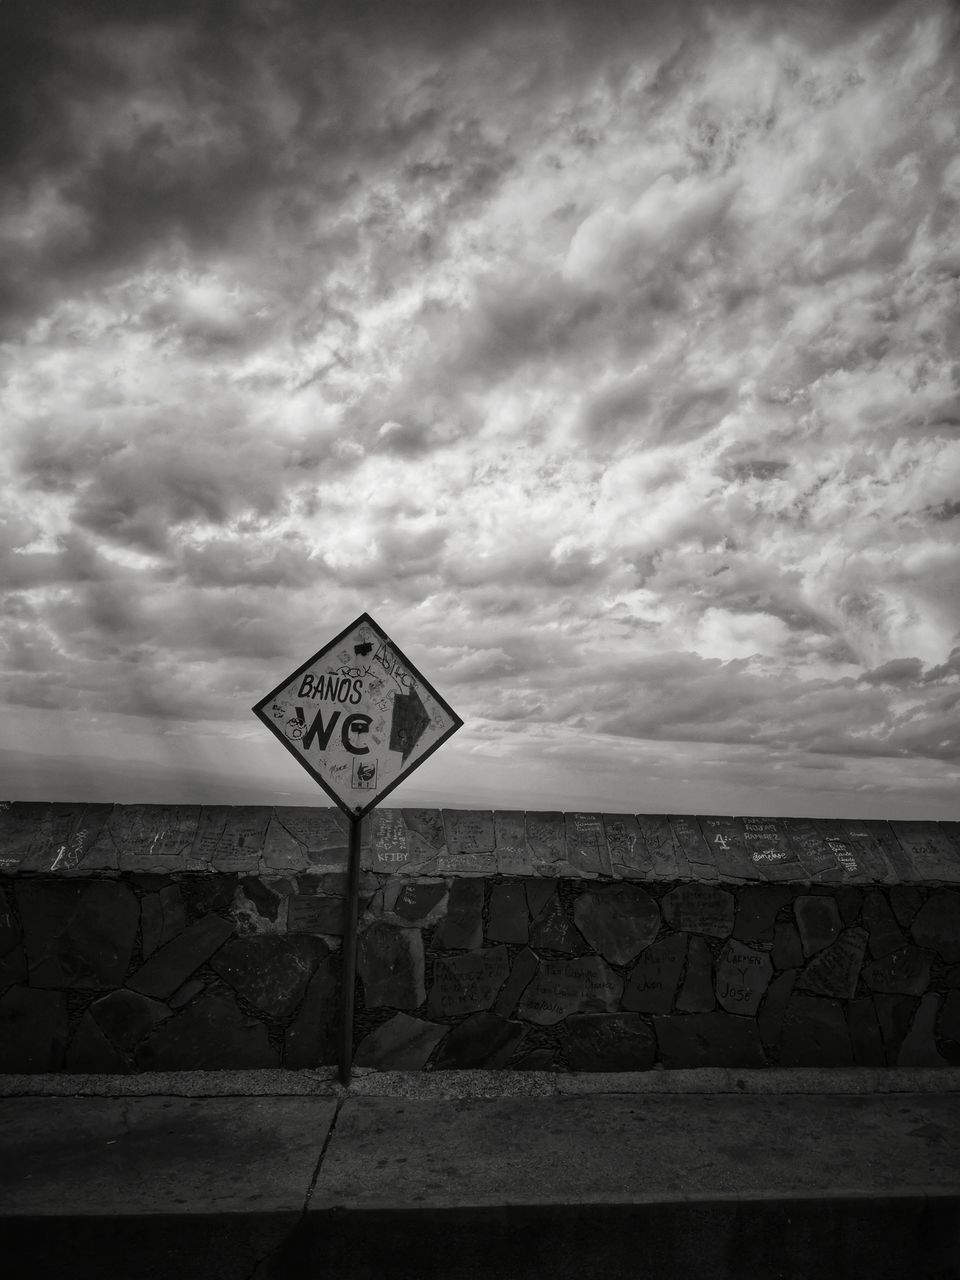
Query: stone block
x=10 y=934
x=693 y=852
x=264 y=898
x=428 y=825
x=618 y=921
x=894 y=1014
x=231 y=837
x=586 y=844
x=470 y=831
x=208 y=894
x=307 y=913
x=708 y=1040
x=743 y=975
x=930 y=850
x=402 y=1043
x=311 y=1038
x=535 y=1060
x=726 y=840
x=481 y=1041
x=850 y=901
x=700 y=908
x=845 y=851
x=391 y=966
x=78 y=934
x=32 y=832
x=84 y=850
x=919 y=1047
x=211 y=1034
x=865 y=1037
x=125 y=1017
x=91 y=1051
x=552 y=929
x=905 y=902
x=508 y=920
x=665 y=860
x=162 y=917
x=192 y=987
x=393 y=847
x=546 y=840
x=757 y=907
x=608 y=1042
x=879 y=920
x=417 y=902
x=774 y=1007
x=768 y=843
x=818 y=919
x=814 y=1034
x=697 y=993
x=874 y=864
x=301 y=837
x=834 y=970
x=949 y=1023
x=521 y=975
x=904 y=972
x=461 y=864
x=269 y=972
x=13 y=967
x=33 y=1030
x=894 y=853
x=816 y=857
x=170 y=967
x=155 y=837
x=539 y=893
x=628 y=853
x=787 y=950
x=562 y=987
x=653 y=981
x=510 y=836
x=937 y=924
x=462 y=927
x=467 y=983
x=48 y=843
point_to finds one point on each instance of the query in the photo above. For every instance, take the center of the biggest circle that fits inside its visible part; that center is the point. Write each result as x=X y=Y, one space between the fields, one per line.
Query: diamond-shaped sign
x=358 y=716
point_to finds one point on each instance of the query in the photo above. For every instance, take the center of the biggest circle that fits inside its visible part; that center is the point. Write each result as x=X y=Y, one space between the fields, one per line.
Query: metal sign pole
x=351 y=906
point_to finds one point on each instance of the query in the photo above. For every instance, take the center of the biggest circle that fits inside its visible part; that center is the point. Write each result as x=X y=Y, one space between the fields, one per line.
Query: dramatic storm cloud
x=607 y=356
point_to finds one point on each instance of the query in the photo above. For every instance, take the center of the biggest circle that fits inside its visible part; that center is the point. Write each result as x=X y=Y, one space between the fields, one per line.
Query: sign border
x=359 y=812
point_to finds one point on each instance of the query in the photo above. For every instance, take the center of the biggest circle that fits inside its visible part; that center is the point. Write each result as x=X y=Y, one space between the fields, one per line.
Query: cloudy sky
x=607 y=354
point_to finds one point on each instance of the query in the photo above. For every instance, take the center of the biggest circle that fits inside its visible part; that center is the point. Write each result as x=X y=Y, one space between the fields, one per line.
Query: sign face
x=358 y=716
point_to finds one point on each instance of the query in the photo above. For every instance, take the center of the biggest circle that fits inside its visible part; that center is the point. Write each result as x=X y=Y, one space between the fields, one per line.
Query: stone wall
x=138 y=938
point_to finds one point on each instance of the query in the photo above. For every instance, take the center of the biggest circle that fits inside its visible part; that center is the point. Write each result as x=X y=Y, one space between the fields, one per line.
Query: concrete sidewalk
x=464 y=1174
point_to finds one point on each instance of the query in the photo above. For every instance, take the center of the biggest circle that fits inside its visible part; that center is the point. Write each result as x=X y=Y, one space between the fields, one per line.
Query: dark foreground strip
x=886 y=1238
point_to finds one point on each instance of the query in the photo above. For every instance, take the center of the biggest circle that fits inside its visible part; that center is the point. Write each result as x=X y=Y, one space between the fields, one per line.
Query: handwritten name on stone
x=700 y=908
x=468 y=830
x=563 y=987
x=467 y=983
x=743 y=975
x=652 y=985
x=389 y=845
x=510 y=835
x=587 y=843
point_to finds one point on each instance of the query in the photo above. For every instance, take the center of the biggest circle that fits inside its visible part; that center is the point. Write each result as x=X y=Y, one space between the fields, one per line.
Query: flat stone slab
x=160 y=1155
x=439 y=1154
x=467 y=983
x=700 y=908
x=937 y=924
x=618 y=921
x=401 y=1043
x=562 y=987
x=743 y=975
